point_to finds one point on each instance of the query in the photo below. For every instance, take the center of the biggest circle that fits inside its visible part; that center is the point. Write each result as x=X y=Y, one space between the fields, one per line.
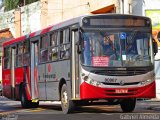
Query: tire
x=35 y=104
x=66 y=104
x=81 y=103
x=24 y=102
x=128 y=105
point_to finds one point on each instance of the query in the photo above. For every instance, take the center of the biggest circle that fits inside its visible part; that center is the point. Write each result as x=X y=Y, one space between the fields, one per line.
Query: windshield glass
x=116 y=49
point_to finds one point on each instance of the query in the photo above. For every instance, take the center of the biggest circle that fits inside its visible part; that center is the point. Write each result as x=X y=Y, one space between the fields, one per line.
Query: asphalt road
x=11 y=110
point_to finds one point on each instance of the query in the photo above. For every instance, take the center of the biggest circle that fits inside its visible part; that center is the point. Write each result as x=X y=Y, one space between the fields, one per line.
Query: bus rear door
x=13 y=52
x=34 y=68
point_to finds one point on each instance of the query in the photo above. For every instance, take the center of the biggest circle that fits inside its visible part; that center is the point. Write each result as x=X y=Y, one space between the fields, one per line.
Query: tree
x=12 y=4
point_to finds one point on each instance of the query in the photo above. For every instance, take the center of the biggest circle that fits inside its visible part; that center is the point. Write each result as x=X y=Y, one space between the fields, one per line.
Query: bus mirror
x=155 y=47
x=79 y=50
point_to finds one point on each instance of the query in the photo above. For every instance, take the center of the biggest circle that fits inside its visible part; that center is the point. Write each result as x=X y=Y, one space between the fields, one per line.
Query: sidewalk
x=2 y=98
x=151 y=104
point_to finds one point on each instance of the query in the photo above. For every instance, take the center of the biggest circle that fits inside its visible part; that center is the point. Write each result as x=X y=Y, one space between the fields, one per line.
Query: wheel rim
x=65 y=99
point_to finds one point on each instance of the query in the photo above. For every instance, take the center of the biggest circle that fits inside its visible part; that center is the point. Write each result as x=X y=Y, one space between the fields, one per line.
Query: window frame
x=64 y=44
x=43 y=58
x=56 y=46
x=8 y=57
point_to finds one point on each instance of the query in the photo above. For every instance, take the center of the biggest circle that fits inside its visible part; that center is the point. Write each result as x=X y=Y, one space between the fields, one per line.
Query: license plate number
x=121 y=90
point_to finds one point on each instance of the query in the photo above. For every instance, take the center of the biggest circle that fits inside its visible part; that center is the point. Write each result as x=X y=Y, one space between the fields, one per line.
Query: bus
x=69 y=62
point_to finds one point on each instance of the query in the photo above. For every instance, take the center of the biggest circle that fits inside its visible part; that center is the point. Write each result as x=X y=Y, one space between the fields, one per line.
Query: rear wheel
x=128 y=105
x=66 y=104
x=35 y=104
x=24 y=102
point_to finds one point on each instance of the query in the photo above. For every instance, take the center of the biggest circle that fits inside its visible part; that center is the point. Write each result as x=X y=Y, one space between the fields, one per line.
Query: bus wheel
x=24 y=102
x=35 y=104
x=128 y=105
x=66 y=104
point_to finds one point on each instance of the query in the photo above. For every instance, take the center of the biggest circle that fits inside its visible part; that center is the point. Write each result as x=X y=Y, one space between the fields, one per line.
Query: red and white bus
x=69 y=62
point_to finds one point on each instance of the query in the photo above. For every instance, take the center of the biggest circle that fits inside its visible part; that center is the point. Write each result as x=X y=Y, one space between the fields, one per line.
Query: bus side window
x=53 y=52
x=26 y=53
x=44 y=48
x=19 y=55
x=64 y=44
x=6 y=61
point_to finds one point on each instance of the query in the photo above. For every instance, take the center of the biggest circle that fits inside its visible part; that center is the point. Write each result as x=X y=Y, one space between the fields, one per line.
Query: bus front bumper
x=88 y=91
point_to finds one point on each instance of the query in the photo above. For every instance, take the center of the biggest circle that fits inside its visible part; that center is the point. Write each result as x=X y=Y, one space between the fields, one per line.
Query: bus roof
x=43 y=31
x=59 y=25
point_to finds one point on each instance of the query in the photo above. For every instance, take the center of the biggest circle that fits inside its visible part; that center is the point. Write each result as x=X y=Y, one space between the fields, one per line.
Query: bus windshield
x=102 y=48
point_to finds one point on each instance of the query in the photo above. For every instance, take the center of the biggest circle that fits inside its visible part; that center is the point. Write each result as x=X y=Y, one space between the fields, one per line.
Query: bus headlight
x=91 y=81
x=146 y=82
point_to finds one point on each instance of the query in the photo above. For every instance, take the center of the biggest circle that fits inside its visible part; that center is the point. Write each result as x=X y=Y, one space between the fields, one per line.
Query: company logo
x=121 y=82
x=49 y=68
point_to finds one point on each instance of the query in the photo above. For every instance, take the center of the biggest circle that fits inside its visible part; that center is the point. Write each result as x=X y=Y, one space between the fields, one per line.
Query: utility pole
x=24 y=2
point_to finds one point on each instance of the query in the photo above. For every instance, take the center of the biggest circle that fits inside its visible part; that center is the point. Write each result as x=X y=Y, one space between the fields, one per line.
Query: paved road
x=145 y=110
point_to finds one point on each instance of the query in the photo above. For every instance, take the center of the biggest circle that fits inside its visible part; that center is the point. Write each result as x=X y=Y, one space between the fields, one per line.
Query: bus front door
x=34 y=70
x=75 y=64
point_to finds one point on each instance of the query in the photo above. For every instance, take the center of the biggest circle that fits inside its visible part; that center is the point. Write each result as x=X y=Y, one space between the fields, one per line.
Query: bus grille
x=120 y=72
x=119 y=84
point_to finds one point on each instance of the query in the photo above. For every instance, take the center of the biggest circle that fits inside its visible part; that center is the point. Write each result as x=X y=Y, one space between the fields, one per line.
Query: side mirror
x=155 y=47
x=78 y=43
x=79 y=49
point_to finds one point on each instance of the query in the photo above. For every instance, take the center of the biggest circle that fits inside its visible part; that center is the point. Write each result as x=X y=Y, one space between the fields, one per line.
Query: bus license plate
x=121 y=90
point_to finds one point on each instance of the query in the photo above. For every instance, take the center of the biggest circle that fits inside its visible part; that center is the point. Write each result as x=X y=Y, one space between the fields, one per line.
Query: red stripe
x=14 y=40
x=46 y=30
x=32 y=34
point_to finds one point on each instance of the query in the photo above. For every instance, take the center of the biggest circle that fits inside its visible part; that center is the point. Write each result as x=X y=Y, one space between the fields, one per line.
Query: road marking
x=10 y=112
x=107 y=114
x=22 y=110
x=35 y=110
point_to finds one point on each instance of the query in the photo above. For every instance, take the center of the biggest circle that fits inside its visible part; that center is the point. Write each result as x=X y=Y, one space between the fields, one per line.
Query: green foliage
x=12 y=4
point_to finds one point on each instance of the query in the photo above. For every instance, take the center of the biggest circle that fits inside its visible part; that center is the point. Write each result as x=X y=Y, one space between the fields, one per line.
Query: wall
x=7 y=21
x=137 y=7
x=60 y=10
x=30 y=19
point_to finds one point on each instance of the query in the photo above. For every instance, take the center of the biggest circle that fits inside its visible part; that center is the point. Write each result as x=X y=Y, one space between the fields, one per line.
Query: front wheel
x=128 y=105
x=66 y=104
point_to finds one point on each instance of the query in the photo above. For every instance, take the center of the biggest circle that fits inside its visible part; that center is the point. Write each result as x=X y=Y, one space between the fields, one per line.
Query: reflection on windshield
x=102 y=48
